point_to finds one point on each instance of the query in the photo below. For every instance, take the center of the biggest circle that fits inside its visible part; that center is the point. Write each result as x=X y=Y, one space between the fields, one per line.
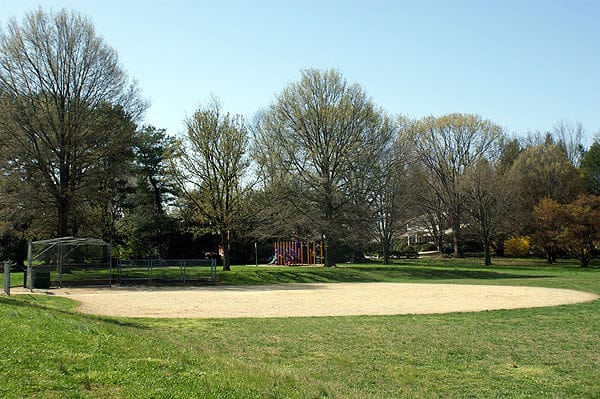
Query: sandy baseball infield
x=301 y=300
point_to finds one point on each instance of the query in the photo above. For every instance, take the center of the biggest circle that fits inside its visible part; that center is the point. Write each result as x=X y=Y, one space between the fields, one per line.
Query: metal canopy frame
x=60 y=242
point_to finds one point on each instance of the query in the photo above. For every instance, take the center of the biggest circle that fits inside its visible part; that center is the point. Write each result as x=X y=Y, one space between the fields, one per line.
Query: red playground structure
x=296 y=253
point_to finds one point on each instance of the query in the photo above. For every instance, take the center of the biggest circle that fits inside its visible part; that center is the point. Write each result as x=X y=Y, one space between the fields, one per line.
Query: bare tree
x=488 y=202
x=392 y=198
x=59 y=82
x=430 y=206
x=211 y=170
x=447 y=146
x=320 y=137
x=569 y=137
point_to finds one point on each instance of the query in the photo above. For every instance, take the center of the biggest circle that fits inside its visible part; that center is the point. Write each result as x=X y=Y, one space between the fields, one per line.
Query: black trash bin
x=40 y=278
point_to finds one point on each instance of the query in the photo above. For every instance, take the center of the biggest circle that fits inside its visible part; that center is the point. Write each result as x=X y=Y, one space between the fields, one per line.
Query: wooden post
x=280 y=244
x=29 y=266
x=295 y=256
x=279 y=253
x=287 y=252
x=7 y=278
x=322 y=252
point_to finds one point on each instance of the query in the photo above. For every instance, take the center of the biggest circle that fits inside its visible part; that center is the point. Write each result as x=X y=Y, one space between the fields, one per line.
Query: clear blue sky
x=523 y=64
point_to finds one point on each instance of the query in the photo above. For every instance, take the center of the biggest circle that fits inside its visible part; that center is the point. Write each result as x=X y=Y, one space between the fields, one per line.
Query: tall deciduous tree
x=447 y=146
x=433 y=212
x=488 y=202
x=56 y=79
x=212 y=168
x=542 y=171
x=549 y=218
x=590 y=168
x=101 y=200
x=569 y=137
x=319 y=138
x=581 y=232
x=391 y=197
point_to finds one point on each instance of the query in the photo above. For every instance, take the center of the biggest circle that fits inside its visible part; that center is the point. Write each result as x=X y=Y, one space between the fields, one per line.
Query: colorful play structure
x=295 y=253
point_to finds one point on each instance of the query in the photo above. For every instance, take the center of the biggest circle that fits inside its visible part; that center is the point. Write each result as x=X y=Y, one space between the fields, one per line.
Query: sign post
x=7 y=278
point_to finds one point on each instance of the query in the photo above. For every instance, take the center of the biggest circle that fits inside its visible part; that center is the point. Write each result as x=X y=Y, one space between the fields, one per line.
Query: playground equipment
x=298 y=253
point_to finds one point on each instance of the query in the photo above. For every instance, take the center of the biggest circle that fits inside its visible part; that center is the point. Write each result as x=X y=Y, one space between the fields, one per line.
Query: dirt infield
x=329 y=299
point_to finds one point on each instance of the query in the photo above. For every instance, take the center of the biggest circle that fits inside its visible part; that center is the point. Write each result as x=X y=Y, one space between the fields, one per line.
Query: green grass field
x=49 y=351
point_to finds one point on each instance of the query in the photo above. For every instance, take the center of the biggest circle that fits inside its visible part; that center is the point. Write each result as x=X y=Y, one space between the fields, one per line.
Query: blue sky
x=523 y=64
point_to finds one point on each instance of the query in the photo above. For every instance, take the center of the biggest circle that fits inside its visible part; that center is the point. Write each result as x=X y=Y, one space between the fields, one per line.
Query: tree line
x=321 y=162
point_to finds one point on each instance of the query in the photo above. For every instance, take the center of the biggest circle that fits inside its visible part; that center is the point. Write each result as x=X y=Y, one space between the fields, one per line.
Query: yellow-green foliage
x=517 y=247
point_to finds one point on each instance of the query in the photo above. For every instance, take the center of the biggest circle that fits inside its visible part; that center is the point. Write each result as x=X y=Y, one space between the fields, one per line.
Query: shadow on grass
x=361 y=274
x=40 y=302
x=284 y=286
x=437 y=274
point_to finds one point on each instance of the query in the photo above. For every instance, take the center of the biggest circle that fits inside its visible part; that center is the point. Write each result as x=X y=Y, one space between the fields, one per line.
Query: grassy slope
x=47 y=350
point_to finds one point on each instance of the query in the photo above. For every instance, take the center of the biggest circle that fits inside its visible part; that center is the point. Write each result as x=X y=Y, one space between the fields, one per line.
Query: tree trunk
x=549 y=257
x=225 y=240
x=327 y=241
x=329 y=253
x=487 y=256
x=456 y=239
x=500 y=245
x=63 y=209
x=386 y=254
x=386 y=244
x=439 y=241
x=585 y=258
x=486 y=236
x=437 y=231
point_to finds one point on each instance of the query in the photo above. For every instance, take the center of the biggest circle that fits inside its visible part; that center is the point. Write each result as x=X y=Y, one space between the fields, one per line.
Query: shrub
x=404 y=251
x=428 y=247
x=517 y=247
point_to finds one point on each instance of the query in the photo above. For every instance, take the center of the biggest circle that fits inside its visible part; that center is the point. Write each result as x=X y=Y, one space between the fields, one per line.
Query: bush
x=517 y=247
x=428 y=247
x=404 y=251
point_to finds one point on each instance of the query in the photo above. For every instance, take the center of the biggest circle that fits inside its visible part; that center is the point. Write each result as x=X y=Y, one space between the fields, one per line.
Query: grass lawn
x=49 y=351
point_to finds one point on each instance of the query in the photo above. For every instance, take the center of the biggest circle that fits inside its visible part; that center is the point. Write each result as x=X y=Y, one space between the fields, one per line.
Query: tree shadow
x=445 y=274
x=365 y=274
x=32 y=301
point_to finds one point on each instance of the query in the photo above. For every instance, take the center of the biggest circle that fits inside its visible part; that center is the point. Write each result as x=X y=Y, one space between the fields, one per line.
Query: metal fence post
x=29 y=281
x=179 y=264
x=7 y=278
x=119 y=279
x=213 y=270
x=110 y=268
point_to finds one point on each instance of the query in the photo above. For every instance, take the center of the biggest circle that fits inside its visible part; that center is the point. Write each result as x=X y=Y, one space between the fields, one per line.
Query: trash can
x=40 y=278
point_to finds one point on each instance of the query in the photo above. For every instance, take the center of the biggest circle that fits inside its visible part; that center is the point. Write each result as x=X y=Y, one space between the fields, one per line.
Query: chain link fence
x=166 y=271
